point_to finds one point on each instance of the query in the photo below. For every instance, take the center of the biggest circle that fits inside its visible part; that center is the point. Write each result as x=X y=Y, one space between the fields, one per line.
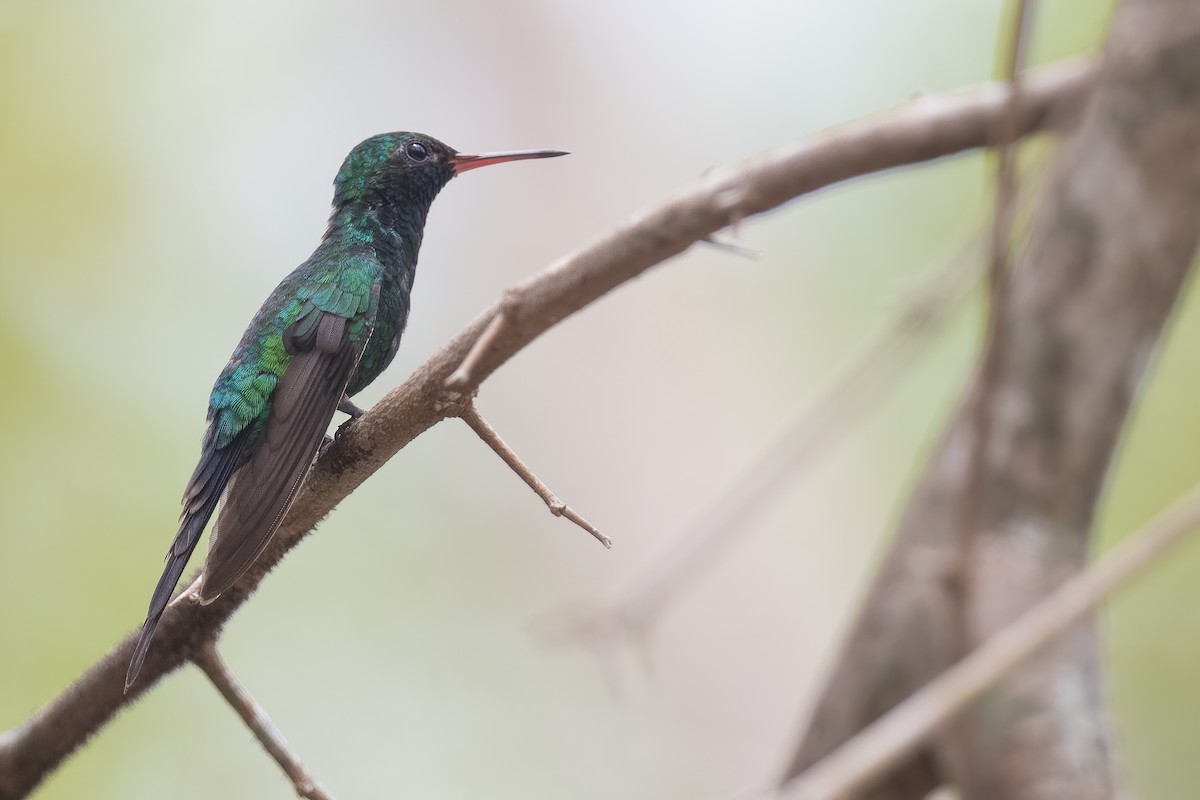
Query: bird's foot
x=347 y=407
x=328 y=440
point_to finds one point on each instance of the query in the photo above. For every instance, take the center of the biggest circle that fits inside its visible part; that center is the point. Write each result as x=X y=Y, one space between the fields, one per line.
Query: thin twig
x=470 y=415
x=971 y=511
x=929 y=128
x=461 y=377
x=993 y=349
x=882 y=744
x=256 y=719
x=992 y=360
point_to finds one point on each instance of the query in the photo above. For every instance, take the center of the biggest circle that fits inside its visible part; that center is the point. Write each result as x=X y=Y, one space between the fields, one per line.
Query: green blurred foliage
x=162 y=165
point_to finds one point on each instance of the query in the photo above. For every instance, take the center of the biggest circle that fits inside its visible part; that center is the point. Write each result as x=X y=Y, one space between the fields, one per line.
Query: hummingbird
x=326 y=332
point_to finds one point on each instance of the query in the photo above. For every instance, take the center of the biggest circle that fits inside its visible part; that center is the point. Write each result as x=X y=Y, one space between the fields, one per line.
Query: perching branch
x=470 y=415
x=256 y=719
x=908 y=725
x=928 y=128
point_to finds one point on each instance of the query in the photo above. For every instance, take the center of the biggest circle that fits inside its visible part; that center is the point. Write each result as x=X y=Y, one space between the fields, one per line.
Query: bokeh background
x=162 y=165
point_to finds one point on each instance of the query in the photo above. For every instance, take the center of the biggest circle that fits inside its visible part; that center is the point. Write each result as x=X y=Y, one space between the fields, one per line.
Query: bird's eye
x=416 y=151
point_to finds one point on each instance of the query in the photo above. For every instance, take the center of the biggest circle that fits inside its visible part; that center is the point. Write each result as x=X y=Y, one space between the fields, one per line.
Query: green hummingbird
x=328 y=330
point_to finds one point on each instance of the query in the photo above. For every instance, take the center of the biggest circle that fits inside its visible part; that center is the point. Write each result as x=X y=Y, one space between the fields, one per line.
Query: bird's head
x=393 y=169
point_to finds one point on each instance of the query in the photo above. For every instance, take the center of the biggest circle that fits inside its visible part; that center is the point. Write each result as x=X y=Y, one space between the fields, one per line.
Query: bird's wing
x=302 y=405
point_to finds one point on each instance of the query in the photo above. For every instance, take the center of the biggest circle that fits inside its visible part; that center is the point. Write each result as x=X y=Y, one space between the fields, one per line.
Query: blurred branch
x=908 y=725
x=928 y=128
x=719 y=242
x=256 y=719
x=470 y=415
x=997 y=274
x=1111 y=245
x=1004 y=211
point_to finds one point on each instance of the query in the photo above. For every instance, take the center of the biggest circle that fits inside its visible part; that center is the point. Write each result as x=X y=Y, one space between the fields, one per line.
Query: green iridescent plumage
x=338 y=283
x=328 y=330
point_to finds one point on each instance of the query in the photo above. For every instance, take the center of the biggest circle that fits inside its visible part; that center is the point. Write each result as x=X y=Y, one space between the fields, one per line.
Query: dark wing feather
x=200 y=499
x=301 y=407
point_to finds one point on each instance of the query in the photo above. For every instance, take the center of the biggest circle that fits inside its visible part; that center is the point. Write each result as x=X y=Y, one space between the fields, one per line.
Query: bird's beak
x=463 y=162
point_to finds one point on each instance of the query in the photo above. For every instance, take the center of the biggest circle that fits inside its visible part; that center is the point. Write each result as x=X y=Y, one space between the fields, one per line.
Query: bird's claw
x=347 y=407
x=328 y=440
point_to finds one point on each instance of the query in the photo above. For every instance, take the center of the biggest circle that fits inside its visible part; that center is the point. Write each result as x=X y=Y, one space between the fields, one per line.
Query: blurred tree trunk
x=1110 y=249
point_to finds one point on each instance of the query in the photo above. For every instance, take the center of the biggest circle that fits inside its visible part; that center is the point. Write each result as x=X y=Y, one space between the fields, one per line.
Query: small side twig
x=461 y=377
x=897 y=733
x=558 y=508
x=256 y=719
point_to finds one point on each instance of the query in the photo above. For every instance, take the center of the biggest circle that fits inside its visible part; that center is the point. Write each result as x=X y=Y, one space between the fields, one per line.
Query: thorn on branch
x=558 y=508
x=732 y=202
x=461 y=377
x=731 y=246
x=256 y=719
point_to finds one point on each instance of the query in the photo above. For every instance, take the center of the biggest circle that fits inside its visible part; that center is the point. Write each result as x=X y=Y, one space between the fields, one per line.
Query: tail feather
x=208 y=483
x=181 y=551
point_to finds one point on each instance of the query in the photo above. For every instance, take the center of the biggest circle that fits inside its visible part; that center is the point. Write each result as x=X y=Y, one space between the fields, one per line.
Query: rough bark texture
x=1110 y=249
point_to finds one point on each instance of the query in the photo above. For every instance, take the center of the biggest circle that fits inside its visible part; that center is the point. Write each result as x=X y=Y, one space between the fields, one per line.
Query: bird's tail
x=200 y=500
x=181 y=550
